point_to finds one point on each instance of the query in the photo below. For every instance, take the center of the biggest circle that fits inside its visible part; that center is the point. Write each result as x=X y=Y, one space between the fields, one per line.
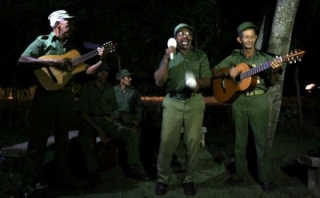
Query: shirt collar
x=53 y=37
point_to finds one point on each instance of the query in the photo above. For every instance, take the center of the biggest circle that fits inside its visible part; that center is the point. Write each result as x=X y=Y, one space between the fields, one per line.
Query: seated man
x=96 y=105
x=129 y=101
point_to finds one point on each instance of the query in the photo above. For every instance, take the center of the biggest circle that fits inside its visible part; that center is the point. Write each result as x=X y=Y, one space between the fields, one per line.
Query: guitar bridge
x=54 y=79
x=223 y=85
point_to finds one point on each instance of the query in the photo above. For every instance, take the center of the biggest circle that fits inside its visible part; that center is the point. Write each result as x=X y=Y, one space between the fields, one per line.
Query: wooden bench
x=20 y=150
x=313 y=164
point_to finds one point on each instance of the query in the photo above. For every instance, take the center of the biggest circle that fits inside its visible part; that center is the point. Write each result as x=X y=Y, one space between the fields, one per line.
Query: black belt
x=180 y=95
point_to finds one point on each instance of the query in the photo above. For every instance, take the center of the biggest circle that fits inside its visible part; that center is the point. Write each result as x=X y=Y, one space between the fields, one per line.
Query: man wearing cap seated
x=51 y=109
x=183 y=106
x=129 y=100
x=251 y=108
x=97 y=102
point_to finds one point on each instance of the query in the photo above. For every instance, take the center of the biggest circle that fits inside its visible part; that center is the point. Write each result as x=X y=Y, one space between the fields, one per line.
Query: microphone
x=190 y=79
x=172 y=42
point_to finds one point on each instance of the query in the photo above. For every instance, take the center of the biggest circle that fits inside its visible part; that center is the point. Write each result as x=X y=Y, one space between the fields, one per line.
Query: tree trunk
x=279 y=43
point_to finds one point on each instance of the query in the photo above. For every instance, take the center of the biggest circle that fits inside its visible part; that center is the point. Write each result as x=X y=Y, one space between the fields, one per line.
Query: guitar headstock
x=110 y=46
x=293 y=56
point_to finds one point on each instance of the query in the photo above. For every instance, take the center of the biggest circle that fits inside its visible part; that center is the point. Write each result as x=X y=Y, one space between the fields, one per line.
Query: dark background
x=142 y=28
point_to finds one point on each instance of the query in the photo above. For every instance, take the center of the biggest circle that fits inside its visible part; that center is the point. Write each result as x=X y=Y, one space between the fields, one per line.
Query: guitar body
x=226 y=90
x=53 y=79
x=61 y=76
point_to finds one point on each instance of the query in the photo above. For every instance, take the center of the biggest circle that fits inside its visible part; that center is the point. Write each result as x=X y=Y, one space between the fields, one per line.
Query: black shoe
x=233 y=181
x=161 y=188
x=267 y=187
x=189 y=189
x=92 y=181
x=133 y=173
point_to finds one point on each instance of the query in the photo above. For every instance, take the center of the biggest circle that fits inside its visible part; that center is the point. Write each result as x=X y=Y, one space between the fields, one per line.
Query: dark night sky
x=306 y=40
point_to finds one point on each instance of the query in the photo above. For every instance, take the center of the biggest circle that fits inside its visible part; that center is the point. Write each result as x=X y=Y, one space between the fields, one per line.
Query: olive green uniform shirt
x=195 y=61
x=237 y=56
x=129 y=101
x=49 y=45
x=96 y=102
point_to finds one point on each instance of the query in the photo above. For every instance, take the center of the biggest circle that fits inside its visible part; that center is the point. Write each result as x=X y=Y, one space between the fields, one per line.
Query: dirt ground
x=216 y=165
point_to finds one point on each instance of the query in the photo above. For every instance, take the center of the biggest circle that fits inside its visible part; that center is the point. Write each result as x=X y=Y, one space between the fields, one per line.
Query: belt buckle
x=181 y=95
x=255 y=92
x=184 y=95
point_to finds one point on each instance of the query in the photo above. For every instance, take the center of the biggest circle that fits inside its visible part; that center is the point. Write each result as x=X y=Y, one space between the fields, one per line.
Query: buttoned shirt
x=129 y=101
x=195 y=61
x=237 y=56
x=96 y=102
x=49 y=45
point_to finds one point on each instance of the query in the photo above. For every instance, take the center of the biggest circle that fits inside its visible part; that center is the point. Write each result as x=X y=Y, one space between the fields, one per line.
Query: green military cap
x=182 y=25
x=246 y=25
x=122 y=73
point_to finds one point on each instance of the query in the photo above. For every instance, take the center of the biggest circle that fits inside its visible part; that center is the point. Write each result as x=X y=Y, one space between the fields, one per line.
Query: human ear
x=239 y=40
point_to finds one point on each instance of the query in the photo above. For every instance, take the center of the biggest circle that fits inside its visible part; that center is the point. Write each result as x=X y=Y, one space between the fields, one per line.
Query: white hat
x=58 y=15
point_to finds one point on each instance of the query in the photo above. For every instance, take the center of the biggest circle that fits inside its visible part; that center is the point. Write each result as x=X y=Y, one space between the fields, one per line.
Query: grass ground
x=290 y=177
x=214 y=168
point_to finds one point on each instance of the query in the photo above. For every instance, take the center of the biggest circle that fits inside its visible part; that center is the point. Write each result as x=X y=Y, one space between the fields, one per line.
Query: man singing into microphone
x=183 y=106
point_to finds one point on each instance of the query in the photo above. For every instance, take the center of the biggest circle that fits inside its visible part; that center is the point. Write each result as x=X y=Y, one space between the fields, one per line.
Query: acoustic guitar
x=53 y=79
x=226 y=90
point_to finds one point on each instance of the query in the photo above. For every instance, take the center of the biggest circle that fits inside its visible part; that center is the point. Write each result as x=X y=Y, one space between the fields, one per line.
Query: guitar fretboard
x=84 y=57
x=255 y=70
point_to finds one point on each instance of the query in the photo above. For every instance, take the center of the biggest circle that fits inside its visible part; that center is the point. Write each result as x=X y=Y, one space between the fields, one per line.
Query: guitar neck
x=255 y=70
x=291 y=57
x=84 y=57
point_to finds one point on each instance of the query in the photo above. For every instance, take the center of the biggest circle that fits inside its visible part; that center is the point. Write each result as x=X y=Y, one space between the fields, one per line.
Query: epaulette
x=44 y=37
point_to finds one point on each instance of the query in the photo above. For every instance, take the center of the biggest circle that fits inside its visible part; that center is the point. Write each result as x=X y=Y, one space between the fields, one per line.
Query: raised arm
x=161 y=75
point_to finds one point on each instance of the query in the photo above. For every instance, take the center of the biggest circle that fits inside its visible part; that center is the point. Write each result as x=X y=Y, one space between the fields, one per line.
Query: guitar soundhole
x=68 y=64
x=237 y=79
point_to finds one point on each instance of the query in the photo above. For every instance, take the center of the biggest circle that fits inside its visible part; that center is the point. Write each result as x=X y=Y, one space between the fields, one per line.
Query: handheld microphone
x=190 y=80
x=172 y=42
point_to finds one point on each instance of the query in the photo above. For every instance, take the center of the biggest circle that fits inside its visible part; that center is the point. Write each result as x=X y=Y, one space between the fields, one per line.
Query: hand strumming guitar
x=233 y=72
x=62 y=64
